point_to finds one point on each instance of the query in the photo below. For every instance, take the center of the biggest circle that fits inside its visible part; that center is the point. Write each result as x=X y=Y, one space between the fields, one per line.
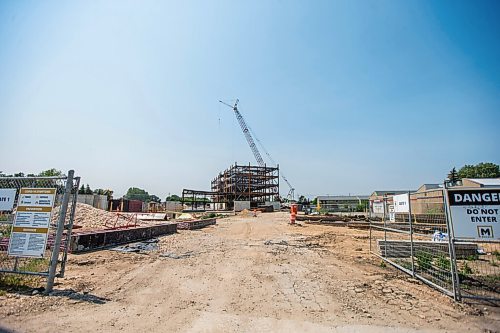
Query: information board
x=31 y=222
x=401 y=203
x=378 y=207
x=7 y=197
x=475 y=213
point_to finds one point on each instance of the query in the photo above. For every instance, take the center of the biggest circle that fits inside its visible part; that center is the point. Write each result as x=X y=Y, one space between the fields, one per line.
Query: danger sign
x=475 y=213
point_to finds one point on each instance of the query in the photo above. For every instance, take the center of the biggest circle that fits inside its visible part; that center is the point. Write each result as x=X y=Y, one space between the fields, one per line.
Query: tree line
x=480 y=170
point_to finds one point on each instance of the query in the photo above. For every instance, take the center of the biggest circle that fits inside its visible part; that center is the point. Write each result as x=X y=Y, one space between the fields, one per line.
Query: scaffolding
x=257 y=184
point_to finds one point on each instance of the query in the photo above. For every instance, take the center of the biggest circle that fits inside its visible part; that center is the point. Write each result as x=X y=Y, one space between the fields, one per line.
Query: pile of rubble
x=88 y=217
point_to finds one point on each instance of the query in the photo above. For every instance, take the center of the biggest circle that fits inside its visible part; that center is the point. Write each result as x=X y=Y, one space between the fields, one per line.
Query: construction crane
x=256 y=153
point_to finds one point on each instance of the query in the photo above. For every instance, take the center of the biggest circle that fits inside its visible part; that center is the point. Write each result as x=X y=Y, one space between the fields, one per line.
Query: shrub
x=466 y=270
x=424 y=260
x=443 y=263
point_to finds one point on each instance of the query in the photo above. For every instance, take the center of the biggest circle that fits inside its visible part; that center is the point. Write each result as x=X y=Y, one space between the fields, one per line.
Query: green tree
x=173 y=197
x=481 y=170
x=303 y=200
x=453 y=176
x=81 y=190
x=51 y=173
x=154 y=198
x=107 y=192
x=135 y=193
x=88 y=190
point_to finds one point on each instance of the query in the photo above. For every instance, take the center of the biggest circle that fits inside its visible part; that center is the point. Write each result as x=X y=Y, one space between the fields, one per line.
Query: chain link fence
x=66 y=188
x=418 y=242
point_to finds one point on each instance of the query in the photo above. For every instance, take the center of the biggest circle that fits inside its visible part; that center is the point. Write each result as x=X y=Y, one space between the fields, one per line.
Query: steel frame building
x=256 y=184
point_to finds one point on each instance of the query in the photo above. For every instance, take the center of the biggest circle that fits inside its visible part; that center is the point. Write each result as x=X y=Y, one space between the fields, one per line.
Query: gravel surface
x=244 y=274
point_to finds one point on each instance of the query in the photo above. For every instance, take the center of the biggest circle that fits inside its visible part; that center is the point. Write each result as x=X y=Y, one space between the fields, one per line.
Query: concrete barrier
x=101 y=239
x=198 y=224
x=401 y=248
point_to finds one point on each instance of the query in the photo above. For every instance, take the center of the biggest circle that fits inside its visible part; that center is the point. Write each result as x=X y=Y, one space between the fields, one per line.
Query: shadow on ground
x=85 y=297
x=6 y=330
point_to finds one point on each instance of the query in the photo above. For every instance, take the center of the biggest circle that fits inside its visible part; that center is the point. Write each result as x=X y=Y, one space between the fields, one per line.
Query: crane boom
x=247 y=131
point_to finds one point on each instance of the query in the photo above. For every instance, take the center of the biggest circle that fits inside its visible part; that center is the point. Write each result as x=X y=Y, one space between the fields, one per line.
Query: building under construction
x=257 y=185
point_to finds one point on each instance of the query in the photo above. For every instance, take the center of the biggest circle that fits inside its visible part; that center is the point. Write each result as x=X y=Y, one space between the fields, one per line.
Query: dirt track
x=243 y=275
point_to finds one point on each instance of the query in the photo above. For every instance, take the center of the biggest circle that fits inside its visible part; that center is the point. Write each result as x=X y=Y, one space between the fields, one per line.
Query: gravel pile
x=88 y=217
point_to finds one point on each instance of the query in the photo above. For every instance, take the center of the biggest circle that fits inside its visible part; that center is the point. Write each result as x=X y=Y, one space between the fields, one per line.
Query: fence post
x=451 y=247
x=60 y=228
x=70 y=227
x=385 y=227
x=411 y=236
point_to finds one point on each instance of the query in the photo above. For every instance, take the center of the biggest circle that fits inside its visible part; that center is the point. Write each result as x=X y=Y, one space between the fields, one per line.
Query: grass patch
x=35 y=265
x=493 y=279
x=5 y=230
x=424 y=260
x=472 y=257
x=443 y=263
x=18 y=282
x=21 y=282
x=465 y=271
x=404 y=264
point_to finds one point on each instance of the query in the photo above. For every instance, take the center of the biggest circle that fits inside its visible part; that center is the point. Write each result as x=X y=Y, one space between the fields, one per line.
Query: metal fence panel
x=38 y=266
x=420 y=243
x=479 y=274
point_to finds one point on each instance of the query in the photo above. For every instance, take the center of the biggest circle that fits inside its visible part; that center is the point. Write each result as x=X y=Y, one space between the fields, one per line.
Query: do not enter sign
x=475 y=213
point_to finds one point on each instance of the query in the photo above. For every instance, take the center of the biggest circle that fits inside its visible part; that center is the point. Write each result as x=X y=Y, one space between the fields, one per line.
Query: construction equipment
x=247 y=132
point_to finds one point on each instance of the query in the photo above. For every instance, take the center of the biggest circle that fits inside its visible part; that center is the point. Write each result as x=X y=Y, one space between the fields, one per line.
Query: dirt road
x=243 y=275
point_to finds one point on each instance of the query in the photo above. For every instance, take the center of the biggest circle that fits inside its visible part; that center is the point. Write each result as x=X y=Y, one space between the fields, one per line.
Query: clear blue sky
x=348 y=96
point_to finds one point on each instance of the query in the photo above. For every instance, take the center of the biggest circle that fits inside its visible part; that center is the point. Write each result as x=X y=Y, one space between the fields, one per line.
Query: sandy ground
x=243 y=275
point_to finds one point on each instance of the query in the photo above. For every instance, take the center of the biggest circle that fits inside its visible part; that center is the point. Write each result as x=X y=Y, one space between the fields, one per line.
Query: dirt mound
x=88 y=217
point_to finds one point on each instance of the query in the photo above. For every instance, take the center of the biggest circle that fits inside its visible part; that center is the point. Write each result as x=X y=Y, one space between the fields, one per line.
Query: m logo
x=485 y=231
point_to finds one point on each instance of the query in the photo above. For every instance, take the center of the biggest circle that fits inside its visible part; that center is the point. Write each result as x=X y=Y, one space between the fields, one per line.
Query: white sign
x=31 y=222
x=7 y=197
x=378 y=207
x=392 y=214
x=401 y=203
x=37 y=197
x=475 y=213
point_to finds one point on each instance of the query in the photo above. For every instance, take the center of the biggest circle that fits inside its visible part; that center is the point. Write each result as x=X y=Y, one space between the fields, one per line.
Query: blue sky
x=348 y=96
